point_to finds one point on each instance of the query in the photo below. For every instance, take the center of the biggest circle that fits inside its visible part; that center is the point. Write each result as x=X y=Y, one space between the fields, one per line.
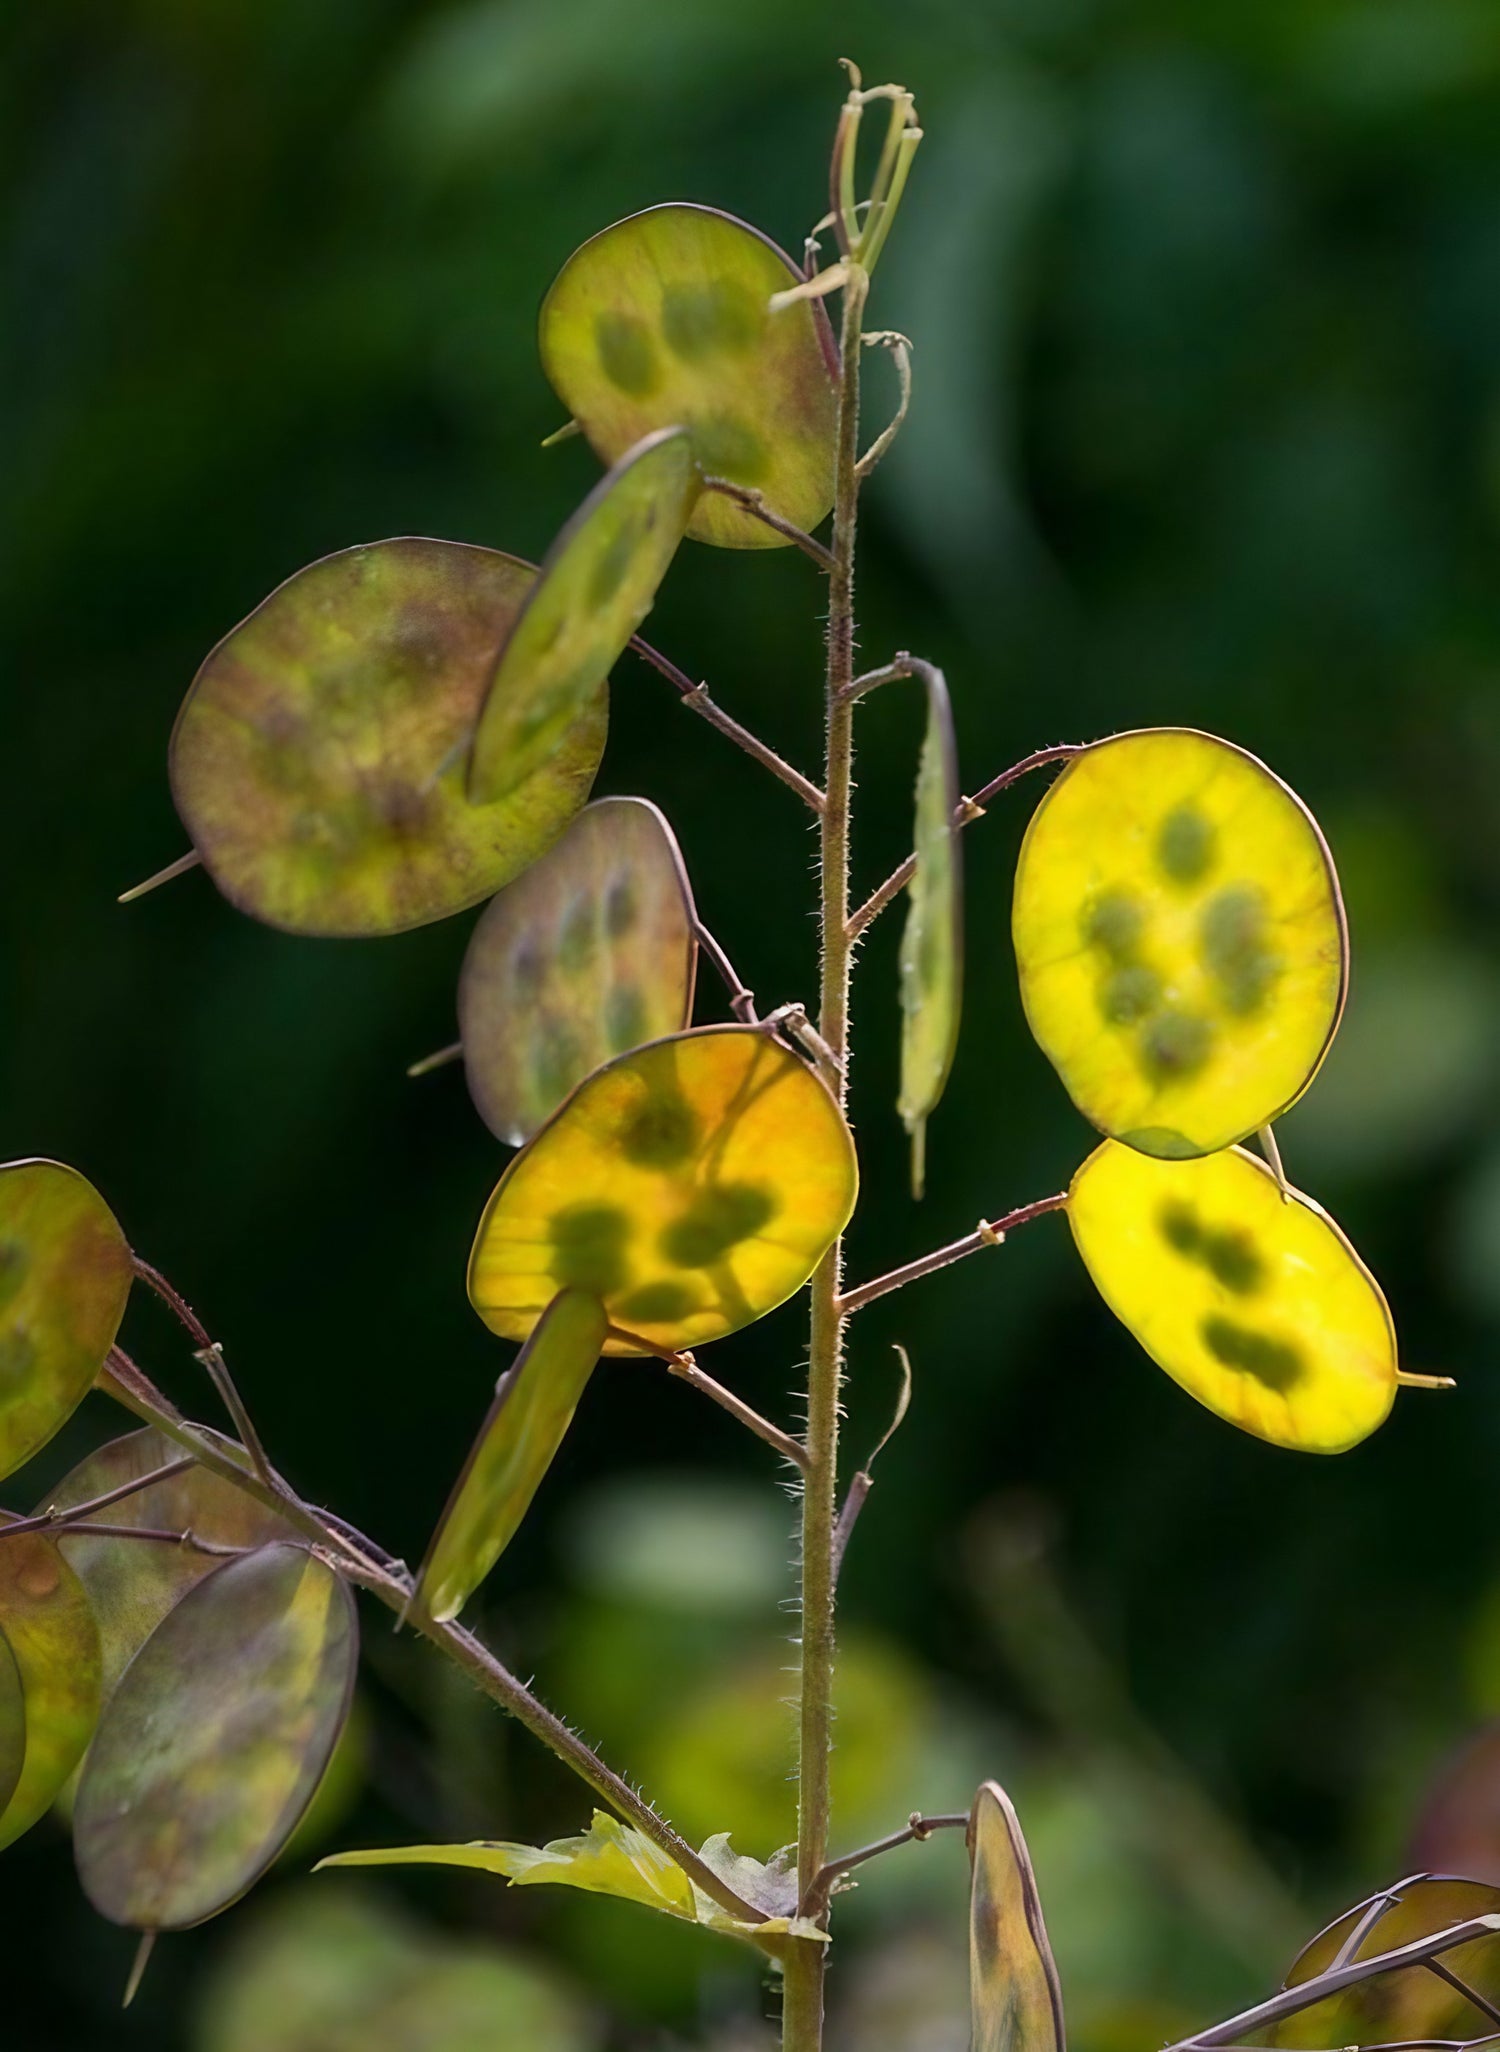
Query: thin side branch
x=741 y=997
x=363 y=1562
x=686 y=1369
x=964 y=814
x=988 y=1233
x=754 y=504
x=55 y=1518
x=210 y=1355
x=173 y=869
x=696 y=696
x=918 y=1830
x=863 y=1480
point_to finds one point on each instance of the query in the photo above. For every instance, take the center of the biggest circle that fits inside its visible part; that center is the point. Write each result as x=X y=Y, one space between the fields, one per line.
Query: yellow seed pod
x=664 y=320
x=1180 y=939
x=1253 y=1301
x=690 y=1185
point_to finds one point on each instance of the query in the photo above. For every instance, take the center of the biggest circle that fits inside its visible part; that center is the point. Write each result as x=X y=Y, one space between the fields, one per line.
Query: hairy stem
x=367 y=1564
x=802 y=2016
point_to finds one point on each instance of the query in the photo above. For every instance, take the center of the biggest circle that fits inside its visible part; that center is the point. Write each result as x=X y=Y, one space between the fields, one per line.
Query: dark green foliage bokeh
x=1206 y=311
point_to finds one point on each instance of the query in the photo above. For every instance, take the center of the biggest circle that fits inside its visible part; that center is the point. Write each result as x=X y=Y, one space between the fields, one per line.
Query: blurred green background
x=1206 y=310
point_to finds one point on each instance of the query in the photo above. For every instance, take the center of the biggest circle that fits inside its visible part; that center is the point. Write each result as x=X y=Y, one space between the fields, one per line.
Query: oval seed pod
x=1015 y=1997
x=932 y=942
x=49 y=1628
x=664 y=320
x=1180 y=939
x=595 y=587
x=12 y=1723
x=319 y=759
x=533 y=1408
x=593 y=951
x=215 y=1740
x=133 y=1584
x=691 y=1186
x=1409 y=2002
x=1254 y=1303
x=65 y=1273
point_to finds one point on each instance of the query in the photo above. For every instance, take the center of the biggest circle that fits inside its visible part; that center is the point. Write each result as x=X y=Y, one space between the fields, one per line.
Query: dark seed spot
x=621 y=909
x=609 y=572
x=1175 y=1045
x=661 y=1133
x=588 y=1242
x=1180 y=1228
x=727 y=448
x=627 y=353
x=624 y=1017
x=1114 y=922
x=702 y=320
x=17 y=1358
x=1234 y=931
x=557 y=1061
x=527 y=968
x=1230 y=1257
x=15 y=1261
x=576 y=942
x=1128 y=995
x=719 y=1220
x=1185 y=844
x=656 y=1303
x=1274 y=1362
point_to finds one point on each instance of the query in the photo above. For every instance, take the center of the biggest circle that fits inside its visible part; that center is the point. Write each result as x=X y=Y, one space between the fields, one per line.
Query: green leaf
x=590 y=953
x=596 y=585
x=932 y=942
x=612 y=1858
x=49 y=1628
x=65 y=1273
x=664 y=320
x=1014 y=1992
x=133 y=1585
x=533 y=1408
x=216 y=1740
x=319 y=760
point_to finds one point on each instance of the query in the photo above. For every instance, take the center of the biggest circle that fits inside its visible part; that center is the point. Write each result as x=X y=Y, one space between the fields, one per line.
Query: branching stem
x=55 y=1518
x=696 y=696
x=918 y=1830
x=989 y=1233
x=755 y=505
x=965 y=812
x=686 y=1369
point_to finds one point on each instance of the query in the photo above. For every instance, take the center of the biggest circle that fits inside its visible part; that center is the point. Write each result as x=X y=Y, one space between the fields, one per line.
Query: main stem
x=802 y=2011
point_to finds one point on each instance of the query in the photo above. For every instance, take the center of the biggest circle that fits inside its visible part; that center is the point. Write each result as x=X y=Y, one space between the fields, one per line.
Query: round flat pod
x=1015 y=1996
x=65 y=1273
x=12 y=1723
x=49 y=1628
x=1180 y=939
x=596 y=586
x=215 y=1740
x=664 y=320
x=319 y=759
x=1254 y=1302
x=593 y=951
x=690 y=1186
x=133 y=1584
x=1404 y=2003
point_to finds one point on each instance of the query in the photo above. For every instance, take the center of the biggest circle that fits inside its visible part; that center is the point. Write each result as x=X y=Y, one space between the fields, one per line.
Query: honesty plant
x=411 y=727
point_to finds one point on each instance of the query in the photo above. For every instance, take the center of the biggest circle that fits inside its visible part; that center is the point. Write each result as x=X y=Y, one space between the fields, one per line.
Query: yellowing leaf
x=933 y=940
x=1180 y=940
x=49 y=1628
x=690 y=1186
x=65 y=1274
x=532 y=1411
x=1257 y=1306
x=591 y=952
x=1014 y=1993
x=215 y=1740
x=319 y=759
x=596 y=586
x=1411 y=2002
x=612 y=1858
x=664 y=320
